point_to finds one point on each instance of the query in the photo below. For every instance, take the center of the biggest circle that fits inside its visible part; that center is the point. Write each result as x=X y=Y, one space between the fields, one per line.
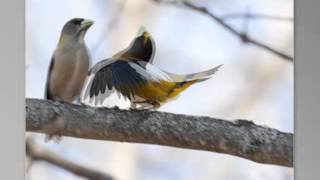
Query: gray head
x=75 y=29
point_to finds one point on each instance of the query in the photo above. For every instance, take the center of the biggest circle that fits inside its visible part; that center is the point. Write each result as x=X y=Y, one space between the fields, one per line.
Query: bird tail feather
x=197 y=77
x=185 y=81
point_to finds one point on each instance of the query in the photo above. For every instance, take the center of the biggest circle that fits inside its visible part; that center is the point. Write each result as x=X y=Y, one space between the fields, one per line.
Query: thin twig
x=253 y=16
x=248 y=16
x=37 y=153
x=244 y=37
x=110 y=25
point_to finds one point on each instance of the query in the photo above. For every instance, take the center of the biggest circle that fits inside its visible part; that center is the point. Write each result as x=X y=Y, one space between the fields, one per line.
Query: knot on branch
x=244 y=38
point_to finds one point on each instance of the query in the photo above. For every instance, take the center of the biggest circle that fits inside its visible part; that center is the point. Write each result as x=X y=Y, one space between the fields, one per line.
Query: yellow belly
x=161 y=91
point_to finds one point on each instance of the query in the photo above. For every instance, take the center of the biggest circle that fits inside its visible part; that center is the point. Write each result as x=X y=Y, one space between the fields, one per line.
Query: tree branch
x=240 y=138
x=37 y=153
x=256 y=16
x=242 y=36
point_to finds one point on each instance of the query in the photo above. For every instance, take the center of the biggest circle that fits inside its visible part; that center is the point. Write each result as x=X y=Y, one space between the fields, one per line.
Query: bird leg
x=143 y=105
x=79 y=102
x=133 y=106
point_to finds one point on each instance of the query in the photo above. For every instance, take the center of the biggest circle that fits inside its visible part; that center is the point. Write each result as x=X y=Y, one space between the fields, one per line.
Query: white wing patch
x=150 y=72
x=95 y=100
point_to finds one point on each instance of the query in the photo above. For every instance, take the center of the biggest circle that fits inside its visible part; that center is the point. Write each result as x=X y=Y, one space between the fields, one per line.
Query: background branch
x=111 y=24
x=221 y=20
x=240 y=138
x=37 y=153
x=256 y=16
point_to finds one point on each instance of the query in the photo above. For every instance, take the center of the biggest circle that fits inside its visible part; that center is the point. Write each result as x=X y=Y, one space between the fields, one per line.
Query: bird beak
x=85 y=24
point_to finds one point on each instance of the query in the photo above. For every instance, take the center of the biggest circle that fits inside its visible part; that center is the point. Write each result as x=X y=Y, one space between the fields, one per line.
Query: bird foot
x=144 y=105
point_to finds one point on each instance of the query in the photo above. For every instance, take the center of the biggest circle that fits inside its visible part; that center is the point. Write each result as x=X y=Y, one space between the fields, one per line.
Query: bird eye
x=77 y=21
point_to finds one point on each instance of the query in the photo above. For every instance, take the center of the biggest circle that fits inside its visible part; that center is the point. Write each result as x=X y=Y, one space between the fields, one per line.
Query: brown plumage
x=70 y=62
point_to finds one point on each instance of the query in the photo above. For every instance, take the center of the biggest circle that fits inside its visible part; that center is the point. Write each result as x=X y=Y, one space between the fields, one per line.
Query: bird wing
x=47 y=94
x=118 y=75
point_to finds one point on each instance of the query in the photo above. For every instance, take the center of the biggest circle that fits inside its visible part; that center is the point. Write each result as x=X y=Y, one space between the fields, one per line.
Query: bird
x=70 y=62
x=131 y=74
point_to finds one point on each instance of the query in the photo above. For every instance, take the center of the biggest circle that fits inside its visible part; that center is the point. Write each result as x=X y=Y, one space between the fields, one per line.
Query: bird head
x=142 y=47
x=75 y=30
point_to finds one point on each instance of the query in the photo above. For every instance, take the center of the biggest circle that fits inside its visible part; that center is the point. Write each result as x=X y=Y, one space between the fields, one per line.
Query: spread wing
x=121 y=76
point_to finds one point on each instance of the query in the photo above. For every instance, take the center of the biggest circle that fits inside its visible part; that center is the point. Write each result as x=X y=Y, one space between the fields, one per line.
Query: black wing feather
x=120 y=75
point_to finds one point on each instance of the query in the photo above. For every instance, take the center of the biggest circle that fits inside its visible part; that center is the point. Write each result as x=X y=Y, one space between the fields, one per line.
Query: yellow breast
x=161 y=91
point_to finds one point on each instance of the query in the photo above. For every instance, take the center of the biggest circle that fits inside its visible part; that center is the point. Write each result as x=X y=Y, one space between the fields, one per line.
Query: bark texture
x=241 y=138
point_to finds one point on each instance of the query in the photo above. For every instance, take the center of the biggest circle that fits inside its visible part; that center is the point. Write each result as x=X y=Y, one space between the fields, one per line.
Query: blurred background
x=253 y=84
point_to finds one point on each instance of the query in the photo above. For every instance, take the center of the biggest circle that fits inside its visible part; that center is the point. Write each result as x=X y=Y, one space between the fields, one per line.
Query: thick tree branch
x=220 y=20
x=240 y=138
x=37 y=153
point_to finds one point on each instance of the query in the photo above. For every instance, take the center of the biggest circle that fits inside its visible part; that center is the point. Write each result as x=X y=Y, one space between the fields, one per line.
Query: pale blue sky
x=253 y=84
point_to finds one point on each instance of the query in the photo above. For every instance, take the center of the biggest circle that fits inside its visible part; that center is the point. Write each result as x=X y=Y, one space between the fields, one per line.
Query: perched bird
x=131 y=74
x=70 y=62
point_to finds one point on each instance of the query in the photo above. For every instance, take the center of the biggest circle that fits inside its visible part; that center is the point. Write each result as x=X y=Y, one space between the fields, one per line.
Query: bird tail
x=185 y=81
x=194 y=77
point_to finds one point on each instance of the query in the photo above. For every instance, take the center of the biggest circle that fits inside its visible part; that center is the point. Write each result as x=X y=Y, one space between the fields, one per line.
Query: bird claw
x=116 y=107
x=144 y=105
